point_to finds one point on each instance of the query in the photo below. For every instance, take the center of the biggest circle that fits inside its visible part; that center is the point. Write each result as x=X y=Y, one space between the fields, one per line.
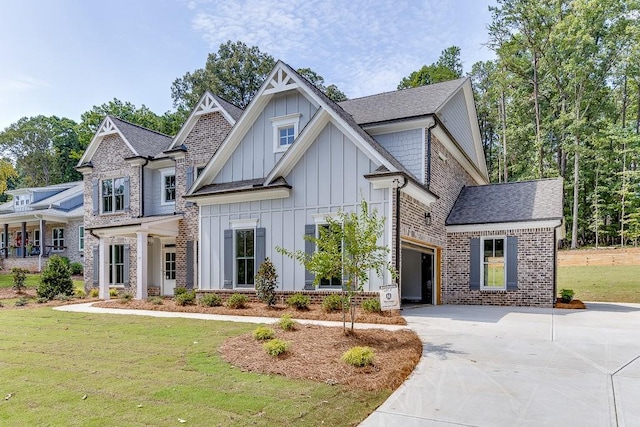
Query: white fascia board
x=243 y=196
x=459 y=155
x=291 y=157
x=501 y=226
x=475 y=127
x=364 y=146
x=381 y=129
x=163 y=163
x=99 y=136
x=420 y=194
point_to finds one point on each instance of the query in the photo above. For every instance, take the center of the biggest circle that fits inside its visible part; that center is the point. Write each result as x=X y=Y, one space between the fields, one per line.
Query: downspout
x=555 y=262
x=146 y=162
x=398 y=188
x=429 y=154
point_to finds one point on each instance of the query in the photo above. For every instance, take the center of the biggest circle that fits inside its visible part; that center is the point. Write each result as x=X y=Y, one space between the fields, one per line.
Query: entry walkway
x=505 y=366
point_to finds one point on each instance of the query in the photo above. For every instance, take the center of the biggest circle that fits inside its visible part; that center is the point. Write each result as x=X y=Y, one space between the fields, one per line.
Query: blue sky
x=62 y=57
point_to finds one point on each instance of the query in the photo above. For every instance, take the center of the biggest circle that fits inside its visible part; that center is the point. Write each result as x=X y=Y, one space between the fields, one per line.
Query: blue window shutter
x=189 y=182
x=261 y=247
x=512 y=263
x=126 y=265
x=309 y=249
x=96 y=196
x=474 y=266
x=228 y=259
x=96 y=266
x=126 y=193
x=190 y=264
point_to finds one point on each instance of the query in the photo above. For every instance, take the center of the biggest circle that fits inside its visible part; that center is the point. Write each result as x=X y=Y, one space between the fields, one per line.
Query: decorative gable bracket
x=280 y=82
x=107 y=128
x=207 y=105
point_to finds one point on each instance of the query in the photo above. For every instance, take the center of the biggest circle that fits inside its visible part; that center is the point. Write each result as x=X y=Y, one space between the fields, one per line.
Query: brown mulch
x=314 y=353
x=574 y=304
x=30 y=294
x=315 y=311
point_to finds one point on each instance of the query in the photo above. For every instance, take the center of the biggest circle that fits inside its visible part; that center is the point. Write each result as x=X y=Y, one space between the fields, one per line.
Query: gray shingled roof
x=509 y=202
x=238 y=186
x=146 y=142
x=233 y=111
x=400 y=104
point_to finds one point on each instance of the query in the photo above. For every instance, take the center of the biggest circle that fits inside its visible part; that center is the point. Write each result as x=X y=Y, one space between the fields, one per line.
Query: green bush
x=299 y=301
x=332 y=303
x=180 y=290
x=55 y=279
x=266 y=282
x=262 y=333
x=566 y=295
x=210 y=300
x=21 y=302
x=155 y=300
x=237 y=301
x=287 y=323
x=275 y=347
x=19 y=277
x=76 y=268
x=65 y=260
x=62 y=297
x=125 y=297
x=358 y=356
x=113 y=293
x=94 y=292
x=80 y=293
x=371 y=305
x=42 y=300
x=185 y=298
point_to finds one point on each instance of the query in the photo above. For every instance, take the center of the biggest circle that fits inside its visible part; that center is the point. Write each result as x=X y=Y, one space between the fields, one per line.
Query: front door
x=427 y=278
x=168 y=271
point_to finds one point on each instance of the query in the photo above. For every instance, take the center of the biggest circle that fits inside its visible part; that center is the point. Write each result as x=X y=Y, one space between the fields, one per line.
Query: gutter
x=435 y=123
x=146 y=162
x=398 y=188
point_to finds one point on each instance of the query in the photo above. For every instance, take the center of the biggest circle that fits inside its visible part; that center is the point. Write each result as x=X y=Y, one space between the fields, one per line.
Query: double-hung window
x=245 y=257
x=58 y=239
x=493 y=264
x=285 y=131
x=116 y=265
x=328 y=242
x=113 y=195
x=81 y=238
x=168 y=186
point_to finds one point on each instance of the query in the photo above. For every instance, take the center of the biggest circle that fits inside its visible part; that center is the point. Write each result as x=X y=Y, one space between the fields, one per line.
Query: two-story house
x=295 y=157
x=42 y=221
x=140 y=232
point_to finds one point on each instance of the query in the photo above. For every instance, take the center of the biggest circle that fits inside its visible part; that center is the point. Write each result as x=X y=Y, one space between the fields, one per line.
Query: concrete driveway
x=504 y=366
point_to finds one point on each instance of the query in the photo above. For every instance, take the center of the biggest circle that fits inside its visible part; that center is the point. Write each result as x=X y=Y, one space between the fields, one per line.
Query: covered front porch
x=135 y=256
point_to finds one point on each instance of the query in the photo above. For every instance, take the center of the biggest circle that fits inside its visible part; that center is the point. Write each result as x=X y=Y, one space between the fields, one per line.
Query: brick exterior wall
x=535 y=270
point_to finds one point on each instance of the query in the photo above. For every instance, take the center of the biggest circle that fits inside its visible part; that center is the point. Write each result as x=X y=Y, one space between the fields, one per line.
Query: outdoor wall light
x=427 y=218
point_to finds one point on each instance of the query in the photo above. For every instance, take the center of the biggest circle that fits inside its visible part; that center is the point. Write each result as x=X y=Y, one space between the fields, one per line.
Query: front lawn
x=602 y=283
x=83 y=369
x=6 y=281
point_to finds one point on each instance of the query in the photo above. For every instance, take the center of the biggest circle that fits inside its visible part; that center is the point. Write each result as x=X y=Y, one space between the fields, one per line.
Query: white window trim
x=284 y=122
x=113 y=211
x=320 y=220
x=492 y=288
x=235 y=258
x=81 y=238
x=164 y=173
x=241 y=224
x=53 y=240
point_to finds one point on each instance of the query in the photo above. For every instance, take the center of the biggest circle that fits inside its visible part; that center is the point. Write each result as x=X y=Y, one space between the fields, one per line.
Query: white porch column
x=141 y=265
x=103 y=279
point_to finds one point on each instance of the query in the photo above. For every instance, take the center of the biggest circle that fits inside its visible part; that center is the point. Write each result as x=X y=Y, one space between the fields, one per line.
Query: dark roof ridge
x=401 y=90
x=111 y=116
x=516 y=182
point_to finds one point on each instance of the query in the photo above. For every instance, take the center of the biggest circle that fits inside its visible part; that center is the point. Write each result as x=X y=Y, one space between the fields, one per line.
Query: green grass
x=602 y=283
x=6 y=281
x=139 y=371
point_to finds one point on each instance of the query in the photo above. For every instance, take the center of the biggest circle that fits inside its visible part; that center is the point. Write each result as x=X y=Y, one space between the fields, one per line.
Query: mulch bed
x=315 y=311
x=574 y=304
x=314 y=353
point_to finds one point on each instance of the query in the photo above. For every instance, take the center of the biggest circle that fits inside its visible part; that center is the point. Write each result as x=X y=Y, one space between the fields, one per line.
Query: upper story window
x=21 y=201
x=113 y=195
x=285 y=131
x=168 y=186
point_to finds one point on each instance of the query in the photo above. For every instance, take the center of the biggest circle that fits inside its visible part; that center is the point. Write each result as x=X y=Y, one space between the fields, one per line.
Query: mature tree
x=317 y=80
x=8 y=177
x=347 y=247
x=447 y=67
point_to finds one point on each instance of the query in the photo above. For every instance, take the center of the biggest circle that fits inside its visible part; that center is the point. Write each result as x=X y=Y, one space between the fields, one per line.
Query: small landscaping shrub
x=299 y=301
x=237 y=301
x=332 y=303
x=266 y=283
x=155 y=300
x=22 y=302
x=80 y=293
x=113 y=293
x=566 y=295
x=125 y=297
x=262 y=333
x=185 y=298
x=62 y=297
x=287 y=323
x=94 y=292
x=358 y=356
x=180 y=290
x=210 y=300
x=55 y=279
x=371 y=305
x=76 y=268
x=42 y=300
x=275 y=347
x=19 y=277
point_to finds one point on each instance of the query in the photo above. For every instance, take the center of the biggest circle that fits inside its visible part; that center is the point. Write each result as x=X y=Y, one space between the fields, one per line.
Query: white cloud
x=20 y=84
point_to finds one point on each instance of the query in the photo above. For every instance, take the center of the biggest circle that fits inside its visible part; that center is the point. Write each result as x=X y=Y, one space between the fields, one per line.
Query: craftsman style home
x=205 y=208
x=39 y=222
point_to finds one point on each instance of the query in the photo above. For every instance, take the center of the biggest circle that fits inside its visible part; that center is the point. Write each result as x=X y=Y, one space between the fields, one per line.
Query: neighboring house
x=141 y=233
x=295 y=157
x=42 y=221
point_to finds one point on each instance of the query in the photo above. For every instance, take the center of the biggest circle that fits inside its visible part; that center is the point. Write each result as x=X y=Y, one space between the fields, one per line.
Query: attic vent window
x=285 y=131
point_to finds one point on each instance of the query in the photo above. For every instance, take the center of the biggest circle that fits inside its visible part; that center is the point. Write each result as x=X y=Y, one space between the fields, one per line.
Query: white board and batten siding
x=328 y=178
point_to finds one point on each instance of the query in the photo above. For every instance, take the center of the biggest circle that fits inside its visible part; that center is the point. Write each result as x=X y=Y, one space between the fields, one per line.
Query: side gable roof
x=208 y=103
x=140 y=140
x=401 y=104
x=508 y=202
